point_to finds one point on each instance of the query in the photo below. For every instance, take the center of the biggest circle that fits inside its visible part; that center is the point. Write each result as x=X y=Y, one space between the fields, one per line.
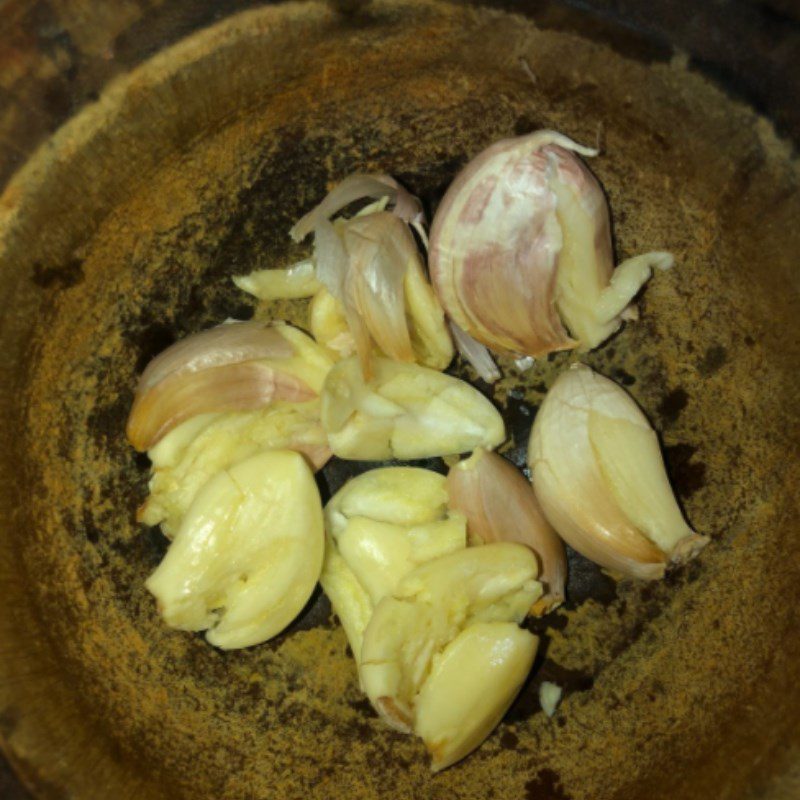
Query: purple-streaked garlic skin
x=233 y=387
x=495 y=242
x=500 y=506
x=521 y=253
x=231 y=367
x=231 y=342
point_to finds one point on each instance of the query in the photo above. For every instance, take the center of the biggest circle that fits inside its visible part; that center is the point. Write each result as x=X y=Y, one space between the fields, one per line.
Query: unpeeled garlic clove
x=406 y=641
x=370 y=263
x=237 y=366
x=521 y=242
x=191 y=454
x=405 y=411
x=381 y=525
x=500 y=506
x=247 y=554
x=599 y=476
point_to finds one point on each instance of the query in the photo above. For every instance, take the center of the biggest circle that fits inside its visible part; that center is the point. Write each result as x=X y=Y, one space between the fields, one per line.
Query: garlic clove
x=349 y=600
x=617 y=507
x=500 y=506
x=630 y=461
x=405 y=412
x=494 y=248
x=191 y=454
x=521 y=246
x=237 y=366
x=380 y=248
x=430 y=337
x=296 y=282
x=470 y=687
x=328 y=325
x=430 y=607
x=380 y=526
x=371 y=265
x=406 y=496
x=235 y=387
x=248 y=552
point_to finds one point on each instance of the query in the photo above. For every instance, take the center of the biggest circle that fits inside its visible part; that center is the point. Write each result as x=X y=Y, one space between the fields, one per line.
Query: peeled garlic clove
x=349 y=600
x=470 y=687
x=236 y=366
x=328 y=325
x=248 y=552
x=430 y=607
x=191 y=454
x=430 y=338
x=600 y=479
x=500 y=506
x=380 y=526
x=522 y=242
x=296 y=282
x=405 y=411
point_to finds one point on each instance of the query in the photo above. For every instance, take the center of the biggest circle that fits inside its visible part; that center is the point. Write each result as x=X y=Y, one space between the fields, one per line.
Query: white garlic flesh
x=191 y=454
x=380 y=526
x=247 y=554
x=405 y=411
x=443 y=656
x=598 y=473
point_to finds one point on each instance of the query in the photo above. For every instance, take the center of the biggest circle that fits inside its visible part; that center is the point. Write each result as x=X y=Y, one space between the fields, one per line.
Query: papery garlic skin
x=380 y=526
x=237 y=366
x=407 y=638
x=501 y=506
x=599 y=476
x=521 y=242
x=248 y=552
x=405 y=411
x=181 y=468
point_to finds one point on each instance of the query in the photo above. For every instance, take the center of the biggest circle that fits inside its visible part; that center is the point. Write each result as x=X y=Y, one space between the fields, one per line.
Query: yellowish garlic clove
x=247 y=554
x=295 y=282
x=237 y=366
x=521 y=243
x=471 y=684
x=191 y=454
x=328 y=325
x=500 y=506
x=598 y=474
x=452 y=611
x=380 y=526
x=405 y=411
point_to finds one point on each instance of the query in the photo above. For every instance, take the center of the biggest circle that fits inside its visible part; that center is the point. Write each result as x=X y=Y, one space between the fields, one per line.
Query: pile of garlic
x=431 y=576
